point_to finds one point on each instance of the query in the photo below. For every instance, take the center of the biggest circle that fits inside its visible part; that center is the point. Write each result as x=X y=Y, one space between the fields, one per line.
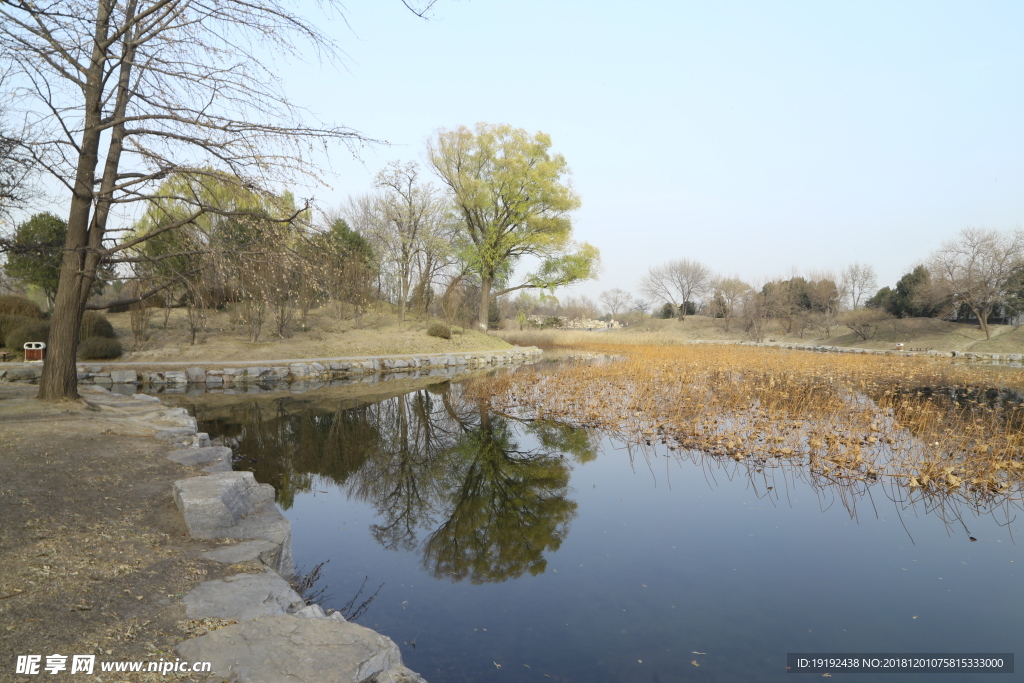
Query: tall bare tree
x=615 y=300
x=677 y=282
x=411 y=228
x=729 y=291
x=126 y=92
x=858 y=282
x=975 y=268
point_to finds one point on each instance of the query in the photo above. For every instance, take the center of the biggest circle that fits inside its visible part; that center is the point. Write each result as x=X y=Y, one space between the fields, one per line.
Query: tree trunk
x=485 y=304
x=982 y=319
x=59 y=380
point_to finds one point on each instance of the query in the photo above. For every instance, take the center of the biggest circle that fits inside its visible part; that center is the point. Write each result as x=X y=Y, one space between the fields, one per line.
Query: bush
x=19 y=305
x=437 y=329
x=95 y=325
x=99 y=348
x=33 y=331
x=865 y=322
x=9 y=323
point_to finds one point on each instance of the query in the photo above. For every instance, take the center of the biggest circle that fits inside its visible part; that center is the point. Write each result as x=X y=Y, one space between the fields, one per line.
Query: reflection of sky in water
x=665 y=560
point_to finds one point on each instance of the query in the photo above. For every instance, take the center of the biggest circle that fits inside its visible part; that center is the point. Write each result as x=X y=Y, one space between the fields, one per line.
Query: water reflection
x=483 y=497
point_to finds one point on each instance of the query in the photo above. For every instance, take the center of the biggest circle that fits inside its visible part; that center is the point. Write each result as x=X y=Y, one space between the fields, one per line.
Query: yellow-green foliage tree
x=513 y=200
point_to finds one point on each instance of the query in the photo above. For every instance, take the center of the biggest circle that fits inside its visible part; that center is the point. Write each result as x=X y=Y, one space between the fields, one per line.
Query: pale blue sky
x=753 y=136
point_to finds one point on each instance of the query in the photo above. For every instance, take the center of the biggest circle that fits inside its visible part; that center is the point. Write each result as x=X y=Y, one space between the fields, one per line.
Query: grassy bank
x=323 y=336
x=926 y=333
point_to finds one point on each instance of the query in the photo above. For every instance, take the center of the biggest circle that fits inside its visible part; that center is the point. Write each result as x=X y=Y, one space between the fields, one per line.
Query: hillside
x=924 y=333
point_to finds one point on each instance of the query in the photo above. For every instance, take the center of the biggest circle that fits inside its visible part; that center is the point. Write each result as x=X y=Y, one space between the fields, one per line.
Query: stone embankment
x=275 y=635
x=299 y=375
x=1001 y=358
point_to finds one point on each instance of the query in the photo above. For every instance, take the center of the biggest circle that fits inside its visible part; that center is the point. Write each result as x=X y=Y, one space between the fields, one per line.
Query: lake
x=497 y=548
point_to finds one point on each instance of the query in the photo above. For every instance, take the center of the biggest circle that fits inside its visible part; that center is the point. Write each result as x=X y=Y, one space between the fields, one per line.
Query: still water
x=500 y=549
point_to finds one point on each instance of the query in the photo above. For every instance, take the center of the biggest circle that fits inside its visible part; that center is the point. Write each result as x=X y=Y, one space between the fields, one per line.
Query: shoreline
x=227 y=375
x=225 y=526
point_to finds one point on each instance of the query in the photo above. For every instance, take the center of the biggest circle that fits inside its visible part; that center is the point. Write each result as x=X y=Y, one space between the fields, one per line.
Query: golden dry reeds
x=925 y=427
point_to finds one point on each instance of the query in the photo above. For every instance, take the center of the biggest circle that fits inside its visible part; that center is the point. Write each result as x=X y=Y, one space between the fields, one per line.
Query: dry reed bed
x=926 y=427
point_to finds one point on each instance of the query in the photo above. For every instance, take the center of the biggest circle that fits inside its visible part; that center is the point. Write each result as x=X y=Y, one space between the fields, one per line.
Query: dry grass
x=929 y=333
x=925 y=427
x=325 y=336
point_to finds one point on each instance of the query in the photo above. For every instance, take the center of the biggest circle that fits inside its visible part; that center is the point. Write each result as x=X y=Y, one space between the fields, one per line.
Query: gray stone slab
x=246 y=551
x=216 y=458
x=286 y=648
x=175 y=377
x=23 y=374
x=233 y=505
x=175 y=434
x=243 y=597
x=399 y=674
x=196 y=375
x=211 y=504
x=123 y=376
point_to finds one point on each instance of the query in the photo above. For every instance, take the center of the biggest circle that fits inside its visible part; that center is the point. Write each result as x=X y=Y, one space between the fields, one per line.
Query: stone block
x=123 y=376
x=215 y=458
x=175 y=434
x=214 y=503
x=289 y=648
x=233 y=505
x=242 y=597
x=176 y=377
x=196 y=375
x=246 y=551
x=23 y=374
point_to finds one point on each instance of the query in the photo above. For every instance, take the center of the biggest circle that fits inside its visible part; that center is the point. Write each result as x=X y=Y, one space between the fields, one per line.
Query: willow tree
x=126 y=93
x=514 y=200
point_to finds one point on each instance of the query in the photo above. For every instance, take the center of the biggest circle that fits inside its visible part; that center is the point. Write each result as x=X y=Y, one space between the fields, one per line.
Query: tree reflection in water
x=483 y=497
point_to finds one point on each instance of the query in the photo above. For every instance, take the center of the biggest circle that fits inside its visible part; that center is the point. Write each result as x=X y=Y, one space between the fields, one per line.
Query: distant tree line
x=977 y=276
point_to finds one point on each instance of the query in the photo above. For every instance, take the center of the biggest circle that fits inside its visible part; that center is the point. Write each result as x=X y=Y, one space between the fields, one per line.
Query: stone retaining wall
x=218 y=376
x=818 y=348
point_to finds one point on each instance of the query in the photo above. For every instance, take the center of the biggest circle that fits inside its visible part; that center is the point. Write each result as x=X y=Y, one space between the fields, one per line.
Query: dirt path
x=94 y=557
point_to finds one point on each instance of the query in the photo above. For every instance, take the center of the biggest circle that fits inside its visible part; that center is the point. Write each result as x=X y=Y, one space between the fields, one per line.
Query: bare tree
x=729 y=292
x=865 y=322
x=163 y=86
x=677 y=282
x=641 y=306
x=758 y=310
x=615 y=300
x=578 y=308
x=975 y=268
x=858 y=282
x=410 y=216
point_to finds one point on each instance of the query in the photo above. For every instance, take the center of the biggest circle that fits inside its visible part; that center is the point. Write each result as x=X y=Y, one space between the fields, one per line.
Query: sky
x=756 y=137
